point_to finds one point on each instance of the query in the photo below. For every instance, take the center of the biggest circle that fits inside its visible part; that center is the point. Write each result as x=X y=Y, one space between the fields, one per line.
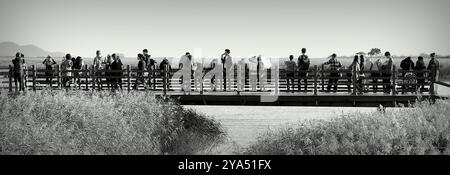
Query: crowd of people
x=221 y=74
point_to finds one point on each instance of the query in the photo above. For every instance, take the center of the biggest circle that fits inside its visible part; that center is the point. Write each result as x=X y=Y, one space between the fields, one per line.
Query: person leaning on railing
x=366 y=68
x=290 y=69
x=407 y=65
x=18 y=71
x=386 y=73
x=98 y=61
x=420 y=67
x=165 y=68
x=334 y=76
x=140 y=71
x=49 y=62
x=66 y=68
x=303 y=63
x=116 y=67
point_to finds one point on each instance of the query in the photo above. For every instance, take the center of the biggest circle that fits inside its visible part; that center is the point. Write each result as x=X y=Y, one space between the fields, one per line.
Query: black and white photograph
x=189 y=78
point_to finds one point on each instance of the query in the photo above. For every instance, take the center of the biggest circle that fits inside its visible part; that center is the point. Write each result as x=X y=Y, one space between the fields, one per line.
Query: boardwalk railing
x=315 y=80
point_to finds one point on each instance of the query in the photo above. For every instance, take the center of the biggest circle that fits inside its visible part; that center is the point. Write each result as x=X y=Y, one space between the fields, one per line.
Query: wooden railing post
x=201 y=82
x=58 y=75
x=432 y=79
x=86 y=76
x=394 y=79
x=10 y=75
x=165 y=79
x=323 y=76
x=128 y=78
x=93 y=77
x=354 y=80
x=315 y=79
x=33 y=73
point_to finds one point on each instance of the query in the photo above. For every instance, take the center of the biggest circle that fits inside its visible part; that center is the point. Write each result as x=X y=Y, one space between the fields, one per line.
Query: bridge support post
x=94 y=79
x=394 y=79
x=58 y=76
x=128 y=78
x=354 y=80
x=432 y=81
x=315 y=79
x=10 y=75
x=33 y=73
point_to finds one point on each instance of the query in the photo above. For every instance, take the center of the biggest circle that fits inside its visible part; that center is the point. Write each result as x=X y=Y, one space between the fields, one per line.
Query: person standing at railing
x=303 y=63
x=376 y=74
x=165 y=68
x=335 y=65
x=97 y=65
x=261 y=73
x=420 y=67
x=253 y=72
x=198 y=76
x=407 y=65
x=434 y=67
x=367 y=66
x=18 y=71
x=290 y=69
x=108 y=63
x=386 y=73
x=78 y=66
x=66 y=68
x=151 y=66
x=116 y=67
x=241 y=75
x=49 y=62
x=140 y=71
x=185 y=67
x=228 y=71
x=354 y=67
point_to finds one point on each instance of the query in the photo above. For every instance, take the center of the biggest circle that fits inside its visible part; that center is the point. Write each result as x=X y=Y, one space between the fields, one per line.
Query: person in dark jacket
x=290 y=71
x=386 y=73
x=165 y=68
x=406 y=65
x=303 y=63
x=49 y=62
x=420 y=66
x=18 y=72
x=335 y=65
x=116 y=66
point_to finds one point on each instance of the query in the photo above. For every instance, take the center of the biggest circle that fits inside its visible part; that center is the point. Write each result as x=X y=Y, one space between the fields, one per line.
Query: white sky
x=247 y=27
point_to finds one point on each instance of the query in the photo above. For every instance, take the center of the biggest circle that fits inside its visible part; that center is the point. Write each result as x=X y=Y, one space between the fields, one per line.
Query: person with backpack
x=407 y=65
x=303 y=66
x=18 y=72
x=49 y=62
x=66 y=68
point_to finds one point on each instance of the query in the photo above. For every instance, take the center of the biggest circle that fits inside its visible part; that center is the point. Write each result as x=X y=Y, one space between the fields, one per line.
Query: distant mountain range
x=10 y=49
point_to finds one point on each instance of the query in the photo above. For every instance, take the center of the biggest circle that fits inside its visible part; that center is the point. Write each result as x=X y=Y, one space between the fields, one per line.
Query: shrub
x=101 y=123
x=423 y=129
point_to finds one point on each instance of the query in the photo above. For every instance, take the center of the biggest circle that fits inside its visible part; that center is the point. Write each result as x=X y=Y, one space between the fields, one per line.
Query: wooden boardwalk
x=271 y=90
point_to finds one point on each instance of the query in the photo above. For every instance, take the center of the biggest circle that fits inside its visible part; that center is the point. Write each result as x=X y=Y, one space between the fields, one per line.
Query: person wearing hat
x=49 y=62
x=334 y=76
x=18 y=72
x=433 y=67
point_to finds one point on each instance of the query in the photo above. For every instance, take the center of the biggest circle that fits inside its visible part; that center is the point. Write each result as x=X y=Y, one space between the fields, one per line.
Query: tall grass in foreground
x=423 y=129
x=102 y=123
